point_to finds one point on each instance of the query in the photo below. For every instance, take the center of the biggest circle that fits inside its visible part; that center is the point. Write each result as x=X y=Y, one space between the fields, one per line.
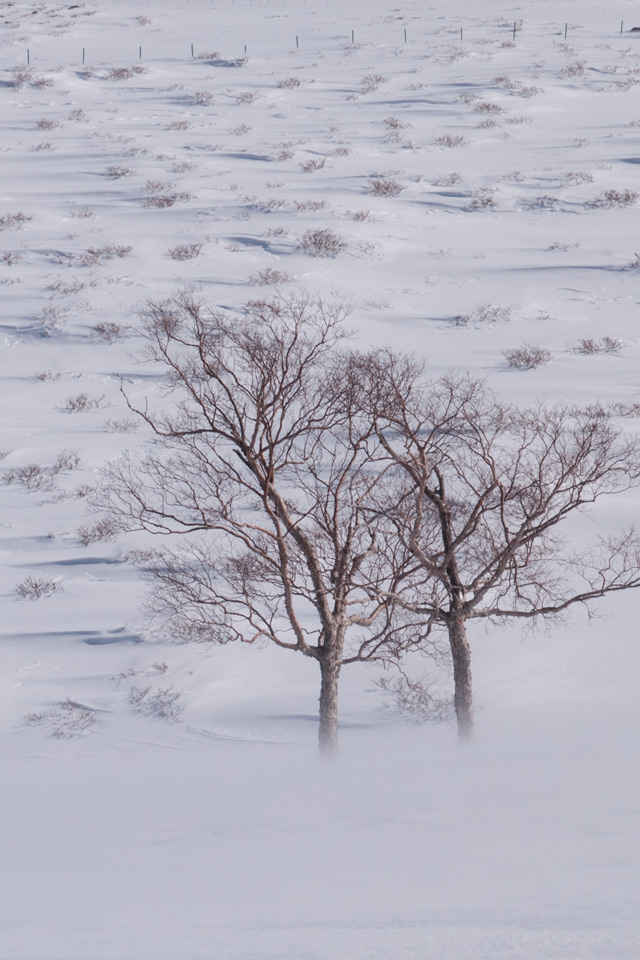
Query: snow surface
x=220 y=835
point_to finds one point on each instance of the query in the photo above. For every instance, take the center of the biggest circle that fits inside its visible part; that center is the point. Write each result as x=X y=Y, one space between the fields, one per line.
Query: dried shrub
x=45 y=376
x=11 y=258
x=185 y=251
x=82 y=402
x=288 y=83
x=126 y=73
x=451 y=140
x=578 y=176
x=21 y=76
x=13 y=221
x=69 y=719
x=395 y=124
x=203 y=97
x=488 y=124
x=247 y=96
x=383 y=187
x=486 y=106
x=47 y=124
x=161 y=703
x=104 y=530
x=448 y=180
x=79 y=116
x=179 y=125
x=210 y=55
x=269 y=277
x=487 y=313
x=309 y=205
x=362 y=216
x=615 y=198
x=108 y=332
x=43 y=146
x=34 y=476
x=126 y=425
x=322 y=243
x=606 y=345
x=372 y=82
x=115 y=172
x=527 y=357
x=97 y=255
x=483 y=199
x=313 y=164
x=565 y=247
x=32 y=588
x=82 y=213
x=162 y=200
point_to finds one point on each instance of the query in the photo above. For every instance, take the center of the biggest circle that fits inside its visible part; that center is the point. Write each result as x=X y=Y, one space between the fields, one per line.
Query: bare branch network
x=341 y=505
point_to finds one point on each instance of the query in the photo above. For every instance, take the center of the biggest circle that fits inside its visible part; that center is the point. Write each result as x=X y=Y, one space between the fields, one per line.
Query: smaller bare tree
x=481 y=496
x=265 y=469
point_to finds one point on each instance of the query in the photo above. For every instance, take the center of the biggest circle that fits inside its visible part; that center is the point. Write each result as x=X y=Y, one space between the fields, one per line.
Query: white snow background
x=219 y=835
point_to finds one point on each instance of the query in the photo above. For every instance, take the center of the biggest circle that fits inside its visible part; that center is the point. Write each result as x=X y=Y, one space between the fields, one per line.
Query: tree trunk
x=463 y=696
x=328 y=730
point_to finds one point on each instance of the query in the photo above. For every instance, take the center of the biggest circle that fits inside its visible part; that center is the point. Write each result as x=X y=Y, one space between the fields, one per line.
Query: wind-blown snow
x=217 y=834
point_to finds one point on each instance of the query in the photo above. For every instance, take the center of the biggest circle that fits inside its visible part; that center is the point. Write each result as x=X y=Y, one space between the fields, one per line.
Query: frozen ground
x=508 y=218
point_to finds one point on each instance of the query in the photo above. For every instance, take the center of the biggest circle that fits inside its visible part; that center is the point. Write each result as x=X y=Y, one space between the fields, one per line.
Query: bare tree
x=265 y=464
x=481 y=496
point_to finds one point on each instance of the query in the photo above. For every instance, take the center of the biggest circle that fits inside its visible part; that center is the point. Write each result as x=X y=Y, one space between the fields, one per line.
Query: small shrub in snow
x=483 y=199
x=383 y=187
x=372 y=82
x=395 y=124
x=106 y=529
x=565 y=247
x=210 y=55
x=247 y=96
x=162 y=200
x=578 y=176
x=33 y=476
x=126 y=73
x=108 y=332
x=21 y=76
x=69 y=719
x=82 y=213
x=125 y=425
x=362 y=216
x=488 y=124
x=47 y=124
x=309 y=166
x=288 y=83
x=32 y=588
x=485 y=314
x=451 y=140
x=116 y=172
x=268 y=277
x=447 y=180
x=185 y=251
x=11 y=258
x=309 y=205
x=47 y=375
x=527 y=357
x=486 y=106
x=615 y=198
x=82 y=402
x=13 y=221
x=606 y=345
x=322 y=243
x=203 y=97
x=161 y=703
x=79 y=116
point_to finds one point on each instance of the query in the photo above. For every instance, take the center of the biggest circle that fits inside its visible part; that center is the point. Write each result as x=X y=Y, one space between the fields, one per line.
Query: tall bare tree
x=483 y=493
x=265 y=465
